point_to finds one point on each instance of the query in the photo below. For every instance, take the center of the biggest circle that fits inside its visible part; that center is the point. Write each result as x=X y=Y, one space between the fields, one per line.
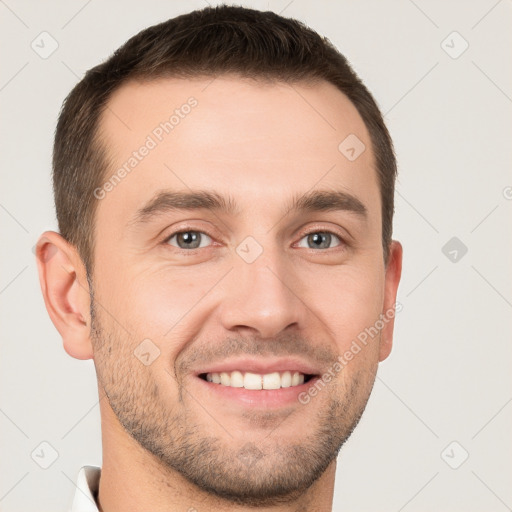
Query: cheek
x=155 y=304
x=348 y=302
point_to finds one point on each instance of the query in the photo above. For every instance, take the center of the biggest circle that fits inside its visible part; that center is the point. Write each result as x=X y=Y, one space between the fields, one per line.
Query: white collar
x=87 y=486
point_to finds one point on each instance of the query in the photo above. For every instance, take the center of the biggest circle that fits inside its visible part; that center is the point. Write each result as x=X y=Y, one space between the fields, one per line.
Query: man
x=224 y=191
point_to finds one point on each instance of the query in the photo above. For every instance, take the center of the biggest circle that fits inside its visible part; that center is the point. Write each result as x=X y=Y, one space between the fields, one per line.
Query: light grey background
x=449 y=376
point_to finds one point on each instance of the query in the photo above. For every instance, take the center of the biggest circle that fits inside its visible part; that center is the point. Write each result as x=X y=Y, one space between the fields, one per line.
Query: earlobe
x=392 y=280
x=66 y=292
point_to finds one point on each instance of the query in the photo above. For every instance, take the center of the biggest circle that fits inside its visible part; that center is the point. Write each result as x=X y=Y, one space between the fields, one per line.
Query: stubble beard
x=259 y=473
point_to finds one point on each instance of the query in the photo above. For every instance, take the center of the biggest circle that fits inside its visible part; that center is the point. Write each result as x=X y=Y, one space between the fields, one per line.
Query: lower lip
x=258 y=398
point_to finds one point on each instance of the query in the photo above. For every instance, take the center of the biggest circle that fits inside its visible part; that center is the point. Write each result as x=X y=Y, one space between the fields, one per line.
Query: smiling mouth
x=257 y=381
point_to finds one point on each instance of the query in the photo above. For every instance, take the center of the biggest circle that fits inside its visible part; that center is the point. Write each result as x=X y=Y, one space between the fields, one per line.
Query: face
x=240 y=246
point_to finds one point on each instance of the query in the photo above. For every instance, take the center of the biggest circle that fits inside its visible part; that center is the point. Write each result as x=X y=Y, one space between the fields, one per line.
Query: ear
x=392 y=279
x=65 y=290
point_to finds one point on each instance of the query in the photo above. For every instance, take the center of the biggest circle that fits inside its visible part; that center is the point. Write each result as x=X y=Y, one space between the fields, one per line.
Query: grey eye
x=189 y=240
x=320 y=240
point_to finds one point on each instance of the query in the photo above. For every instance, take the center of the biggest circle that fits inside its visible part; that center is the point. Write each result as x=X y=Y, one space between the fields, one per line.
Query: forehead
x=257 y=140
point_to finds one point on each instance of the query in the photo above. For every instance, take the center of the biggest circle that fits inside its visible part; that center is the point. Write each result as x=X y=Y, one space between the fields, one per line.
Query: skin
x=168 y=442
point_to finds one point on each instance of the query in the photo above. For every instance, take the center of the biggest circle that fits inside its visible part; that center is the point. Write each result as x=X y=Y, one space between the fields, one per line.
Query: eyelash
x=342 y=243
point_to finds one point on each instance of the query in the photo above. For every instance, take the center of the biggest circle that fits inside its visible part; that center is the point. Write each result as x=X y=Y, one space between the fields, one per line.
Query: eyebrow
x=315 y=201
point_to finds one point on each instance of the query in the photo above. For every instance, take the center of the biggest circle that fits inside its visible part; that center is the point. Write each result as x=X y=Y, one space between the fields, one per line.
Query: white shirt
x=88 y=483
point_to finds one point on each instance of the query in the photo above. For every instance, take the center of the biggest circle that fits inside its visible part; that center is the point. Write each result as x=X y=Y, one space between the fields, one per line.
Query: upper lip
x=261 y=366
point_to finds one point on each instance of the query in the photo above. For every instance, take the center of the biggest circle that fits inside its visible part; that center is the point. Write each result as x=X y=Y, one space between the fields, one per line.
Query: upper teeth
x=249 y=380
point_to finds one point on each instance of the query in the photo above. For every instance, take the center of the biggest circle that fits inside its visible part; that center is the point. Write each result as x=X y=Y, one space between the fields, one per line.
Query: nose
x=260 y=299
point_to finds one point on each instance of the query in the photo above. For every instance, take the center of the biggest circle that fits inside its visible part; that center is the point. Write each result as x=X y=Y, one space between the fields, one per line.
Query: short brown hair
x=208 y=42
